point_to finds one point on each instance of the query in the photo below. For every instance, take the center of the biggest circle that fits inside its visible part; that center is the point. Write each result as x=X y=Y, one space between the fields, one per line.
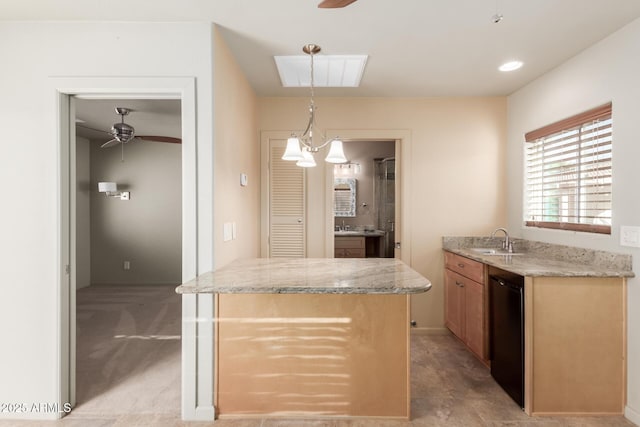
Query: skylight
x=329 y=70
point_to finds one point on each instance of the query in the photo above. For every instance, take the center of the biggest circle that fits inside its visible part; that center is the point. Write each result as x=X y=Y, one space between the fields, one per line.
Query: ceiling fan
x=123 y=133
x=333 y=4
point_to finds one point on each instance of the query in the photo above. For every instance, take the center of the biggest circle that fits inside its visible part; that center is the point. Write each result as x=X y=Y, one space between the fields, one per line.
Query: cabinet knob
x=459 y=284
x=461 y=265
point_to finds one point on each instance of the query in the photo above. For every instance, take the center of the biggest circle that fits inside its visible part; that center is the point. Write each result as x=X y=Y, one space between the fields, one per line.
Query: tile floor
x=128 y=374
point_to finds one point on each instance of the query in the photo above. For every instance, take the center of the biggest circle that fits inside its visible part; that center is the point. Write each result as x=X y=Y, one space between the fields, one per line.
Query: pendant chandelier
x=301 y=149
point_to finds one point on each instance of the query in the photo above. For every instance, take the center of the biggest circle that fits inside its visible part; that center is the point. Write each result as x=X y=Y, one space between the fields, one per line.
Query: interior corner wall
x=605 y=72
x=236 y=152
x=457 y=184
x=83 y=213
x=146 y=230
x=30 y=253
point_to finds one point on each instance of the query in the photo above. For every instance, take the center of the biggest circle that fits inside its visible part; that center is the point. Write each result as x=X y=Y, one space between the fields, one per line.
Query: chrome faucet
x=506 y=243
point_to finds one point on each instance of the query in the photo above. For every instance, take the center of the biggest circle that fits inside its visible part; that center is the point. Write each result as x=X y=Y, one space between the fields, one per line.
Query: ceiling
x=415 y=47
x=157 y=117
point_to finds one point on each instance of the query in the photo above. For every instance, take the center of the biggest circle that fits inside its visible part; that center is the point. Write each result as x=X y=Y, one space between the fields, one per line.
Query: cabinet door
x=454 y=304
x=474 y=315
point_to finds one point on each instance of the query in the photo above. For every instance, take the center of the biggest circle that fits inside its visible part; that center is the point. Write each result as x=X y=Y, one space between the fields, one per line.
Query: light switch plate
x=227 y=232
x=630 y=236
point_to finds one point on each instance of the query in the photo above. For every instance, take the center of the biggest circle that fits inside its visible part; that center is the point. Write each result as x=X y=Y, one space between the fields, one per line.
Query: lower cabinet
x=465 y=300
x=349 y=247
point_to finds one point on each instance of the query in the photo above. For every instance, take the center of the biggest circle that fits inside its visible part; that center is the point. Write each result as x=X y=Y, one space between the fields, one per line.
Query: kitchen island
x=299 y=337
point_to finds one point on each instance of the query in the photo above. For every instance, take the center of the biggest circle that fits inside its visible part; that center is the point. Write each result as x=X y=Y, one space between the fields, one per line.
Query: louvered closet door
x=286 y=207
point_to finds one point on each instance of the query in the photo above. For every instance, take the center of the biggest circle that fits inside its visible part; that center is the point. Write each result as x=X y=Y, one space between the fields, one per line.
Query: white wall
x=29 y=253
x=608 y=71
x=145 y=230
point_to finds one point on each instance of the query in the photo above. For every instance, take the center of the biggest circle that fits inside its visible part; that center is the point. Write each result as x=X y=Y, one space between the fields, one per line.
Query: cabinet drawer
x=349 y=242
x=474 y=270
x=349 y=253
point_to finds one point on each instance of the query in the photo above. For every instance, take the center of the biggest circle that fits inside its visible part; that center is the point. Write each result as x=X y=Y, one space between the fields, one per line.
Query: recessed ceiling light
x=510 y=66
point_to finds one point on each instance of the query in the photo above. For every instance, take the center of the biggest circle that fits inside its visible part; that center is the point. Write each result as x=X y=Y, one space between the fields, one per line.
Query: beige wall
x=146 y=230
x=236 y=151
x=453 y=179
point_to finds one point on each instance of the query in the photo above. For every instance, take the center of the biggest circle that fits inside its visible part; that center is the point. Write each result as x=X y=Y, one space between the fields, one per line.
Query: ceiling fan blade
x=110 y=143
x=160 y=138
x=332 y=4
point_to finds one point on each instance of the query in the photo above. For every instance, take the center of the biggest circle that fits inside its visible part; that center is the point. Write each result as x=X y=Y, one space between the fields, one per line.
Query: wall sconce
x=346 y=169
x=110 y=189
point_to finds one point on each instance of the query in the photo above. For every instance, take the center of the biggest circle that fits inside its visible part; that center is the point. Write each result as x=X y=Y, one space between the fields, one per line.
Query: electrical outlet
x=630 y=236
x=127 y=265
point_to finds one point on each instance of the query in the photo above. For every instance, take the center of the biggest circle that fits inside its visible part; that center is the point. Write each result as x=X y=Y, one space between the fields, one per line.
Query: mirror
x=344 y=197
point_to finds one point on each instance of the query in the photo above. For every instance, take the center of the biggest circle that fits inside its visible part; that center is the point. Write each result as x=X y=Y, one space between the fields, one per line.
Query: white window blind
x=568 y=173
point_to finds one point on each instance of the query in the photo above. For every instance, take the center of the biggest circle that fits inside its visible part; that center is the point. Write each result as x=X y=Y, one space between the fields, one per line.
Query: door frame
x=64 y=89
x=402 y=138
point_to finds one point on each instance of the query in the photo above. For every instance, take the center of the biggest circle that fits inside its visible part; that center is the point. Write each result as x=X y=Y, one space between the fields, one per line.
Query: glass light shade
x=336 y=153
x=107 y=187
x=293 y=151
x=308 y=161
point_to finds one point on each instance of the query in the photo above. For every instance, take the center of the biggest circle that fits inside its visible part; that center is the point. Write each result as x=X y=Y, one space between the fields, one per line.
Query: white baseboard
x=430 y=331
x=632 y=415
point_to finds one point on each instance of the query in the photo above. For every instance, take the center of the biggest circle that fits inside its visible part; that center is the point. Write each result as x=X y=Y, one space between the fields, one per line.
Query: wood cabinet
x=575 y=345
x=465 y=301
x=349 y=247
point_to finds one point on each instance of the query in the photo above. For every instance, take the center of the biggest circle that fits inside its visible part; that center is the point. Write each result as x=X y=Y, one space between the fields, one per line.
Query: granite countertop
x=310 y=275
x=537 y=259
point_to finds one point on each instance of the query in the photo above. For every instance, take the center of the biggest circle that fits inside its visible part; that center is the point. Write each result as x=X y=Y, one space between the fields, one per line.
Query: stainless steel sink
x=493 y=251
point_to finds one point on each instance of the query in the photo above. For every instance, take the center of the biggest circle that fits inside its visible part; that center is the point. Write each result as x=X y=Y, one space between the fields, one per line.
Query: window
x=568 y=173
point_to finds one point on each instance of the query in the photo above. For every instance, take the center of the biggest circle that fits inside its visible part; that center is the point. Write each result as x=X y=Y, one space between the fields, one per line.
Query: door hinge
x=67 y=269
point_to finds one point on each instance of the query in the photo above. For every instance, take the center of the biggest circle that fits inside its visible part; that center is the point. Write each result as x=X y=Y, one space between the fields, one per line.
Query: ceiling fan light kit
x=301 y=149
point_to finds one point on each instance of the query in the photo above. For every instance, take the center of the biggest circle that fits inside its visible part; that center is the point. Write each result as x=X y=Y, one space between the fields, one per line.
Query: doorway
x=364 y=198
x=66 y=89
x=129 y=256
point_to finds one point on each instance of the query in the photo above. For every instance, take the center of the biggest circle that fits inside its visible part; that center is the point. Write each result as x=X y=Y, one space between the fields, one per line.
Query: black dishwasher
x=506 y=333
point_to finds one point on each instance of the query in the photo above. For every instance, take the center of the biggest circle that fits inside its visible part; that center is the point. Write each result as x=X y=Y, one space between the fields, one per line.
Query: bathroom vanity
x=299 y=337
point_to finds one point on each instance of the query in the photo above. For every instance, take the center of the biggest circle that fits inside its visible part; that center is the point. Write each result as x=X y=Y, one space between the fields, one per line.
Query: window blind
x=568 y=173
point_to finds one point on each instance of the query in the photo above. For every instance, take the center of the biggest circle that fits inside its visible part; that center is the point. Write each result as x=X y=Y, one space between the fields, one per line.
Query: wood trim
x=570 y=122
x=588 y=228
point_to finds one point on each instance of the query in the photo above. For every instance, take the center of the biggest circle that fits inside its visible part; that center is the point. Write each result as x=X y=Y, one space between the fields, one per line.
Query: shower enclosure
x=385 y=200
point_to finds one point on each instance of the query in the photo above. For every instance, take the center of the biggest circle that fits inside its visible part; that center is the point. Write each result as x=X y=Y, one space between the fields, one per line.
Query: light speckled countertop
x=310 y=275
x=544 y=259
